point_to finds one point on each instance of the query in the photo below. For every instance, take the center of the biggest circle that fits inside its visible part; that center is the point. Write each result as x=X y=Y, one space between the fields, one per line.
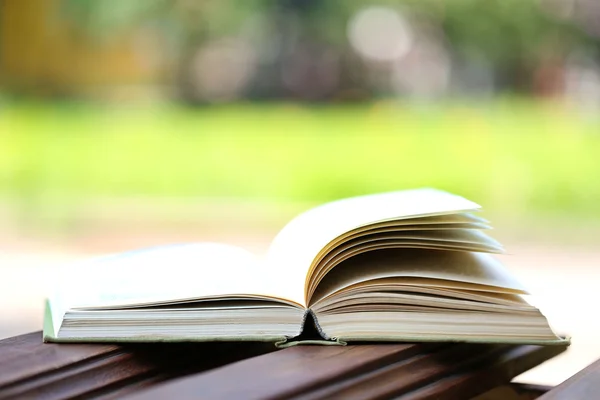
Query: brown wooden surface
x=32 y=369
x=528 y=391
x=521 y=387
x=583 y=385
x=404 y=371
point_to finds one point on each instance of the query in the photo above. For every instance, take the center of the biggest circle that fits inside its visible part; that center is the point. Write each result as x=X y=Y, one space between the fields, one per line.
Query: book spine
x=311 y=317
x=311 y=333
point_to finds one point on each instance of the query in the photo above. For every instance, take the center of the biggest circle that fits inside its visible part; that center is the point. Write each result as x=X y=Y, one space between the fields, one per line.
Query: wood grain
x=583 y=385
x=492 y=369
x=405 y=371
x=32 y=369
x=26 y=356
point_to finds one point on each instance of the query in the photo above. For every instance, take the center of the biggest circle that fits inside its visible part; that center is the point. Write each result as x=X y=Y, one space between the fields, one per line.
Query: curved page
x=301 y=241
x=465 y=267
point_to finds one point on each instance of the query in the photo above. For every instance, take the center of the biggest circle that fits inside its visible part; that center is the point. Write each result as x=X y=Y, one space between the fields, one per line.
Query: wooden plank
x=290 y=371
x=360 y=371
x=534 y=388
x=528 y=391
x=405 y=375
x=32 y=369
x=583 y=385
x=489 y=371
x=26 y=356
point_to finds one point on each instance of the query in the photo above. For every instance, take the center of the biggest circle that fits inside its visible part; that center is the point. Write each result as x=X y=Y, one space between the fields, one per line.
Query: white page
x=167 y=273
x=300 y=241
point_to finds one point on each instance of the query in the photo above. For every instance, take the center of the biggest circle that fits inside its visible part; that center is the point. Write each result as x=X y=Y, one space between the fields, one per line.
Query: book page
x=295 y=248
x=459 y=238
x=165 y=274
x=479 y=269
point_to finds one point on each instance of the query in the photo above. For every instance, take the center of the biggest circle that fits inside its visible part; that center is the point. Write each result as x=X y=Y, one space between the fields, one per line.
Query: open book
x=401 y=266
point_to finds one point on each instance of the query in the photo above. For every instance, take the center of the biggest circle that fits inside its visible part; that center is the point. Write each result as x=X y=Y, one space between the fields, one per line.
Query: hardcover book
x=407 y=266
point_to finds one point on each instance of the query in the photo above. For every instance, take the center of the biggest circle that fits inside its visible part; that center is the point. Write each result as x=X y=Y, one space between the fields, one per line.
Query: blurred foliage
x=511 y=155
x=503 y=30
x=111 y=18
x=104 y=18
x=203 y=51
x=514 y=36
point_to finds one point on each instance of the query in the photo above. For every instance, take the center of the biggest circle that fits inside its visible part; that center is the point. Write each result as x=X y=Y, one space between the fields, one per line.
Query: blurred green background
x=513 y=155
x=127 y=123
x=285 y=101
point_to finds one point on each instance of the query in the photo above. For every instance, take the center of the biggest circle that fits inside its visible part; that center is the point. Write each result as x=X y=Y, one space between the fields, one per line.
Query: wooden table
x=31 y=369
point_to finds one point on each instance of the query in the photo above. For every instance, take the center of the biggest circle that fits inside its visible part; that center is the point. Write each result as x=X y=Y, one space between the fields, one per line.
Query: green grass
x=514 y=156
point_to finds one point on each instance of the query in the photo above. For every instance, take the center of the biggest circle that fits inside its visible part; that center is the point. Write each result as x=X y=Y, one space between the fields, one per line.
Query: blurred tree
x=221 y=50
x=44 y=53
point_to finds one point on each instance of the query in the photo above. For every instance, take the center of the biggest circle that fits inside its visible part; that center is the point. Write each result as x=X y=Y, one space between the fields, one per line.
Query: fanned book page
x=411 y=265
